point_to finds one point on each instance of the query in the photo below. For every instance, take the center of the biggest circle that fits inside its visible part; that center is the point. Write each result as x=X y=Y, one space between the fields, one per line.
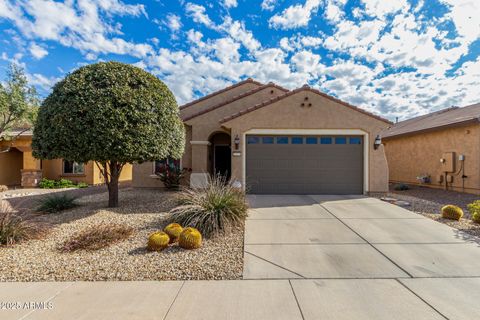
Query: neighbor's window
x=161 y=165
x=72 y=167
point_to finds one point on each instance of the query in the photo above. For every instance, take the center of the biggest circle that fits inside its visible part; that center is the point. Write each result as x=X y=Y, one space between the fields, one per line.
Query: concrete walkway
x=306 y=257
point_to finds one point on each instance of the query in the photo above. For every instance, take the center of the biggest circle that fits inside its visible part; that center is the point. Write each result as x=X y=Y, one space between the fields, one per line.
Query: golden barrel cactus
x=173 y=230
x=158 y=241
x=452 y=212
x=190 y=238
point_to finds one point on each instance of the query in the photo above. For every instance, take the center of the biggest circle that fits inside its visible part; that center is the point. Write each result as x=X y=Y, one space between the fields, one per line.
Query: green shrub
x=401 y=187
x=82 y=185
x=97 y=237
x=212 y=209
x=47 y=184
x=56 y=203
x=16 y=226
x=474 y=209
x=452 y=212
x=64 y=183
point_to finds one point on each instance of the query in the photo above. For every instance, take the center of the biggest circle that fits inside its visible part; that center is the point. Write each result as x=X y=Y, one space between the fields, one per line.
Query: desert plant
x=173 y=230
x=212 y=209
x=17 y=225
x=158 y=241
x=474 y=209
x=64 y=183
x=171 y=175
x=452 y=212
x=3 y=188
x=190 y=238
x=56 y=203
x=46 y=184
x=82 y=185
x=97 y=237
x=401 y=187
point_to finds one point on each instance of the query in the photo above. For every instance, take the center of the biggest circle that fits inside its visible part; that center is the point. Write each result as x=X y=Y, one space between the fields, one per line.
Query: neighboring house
x=440 y=149
x=274 y=141
x=19 y=168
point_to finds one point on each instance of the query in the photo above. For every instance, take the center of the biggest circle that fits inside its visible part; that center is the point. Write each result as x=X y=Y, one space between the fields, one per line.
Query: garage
x=305 y=164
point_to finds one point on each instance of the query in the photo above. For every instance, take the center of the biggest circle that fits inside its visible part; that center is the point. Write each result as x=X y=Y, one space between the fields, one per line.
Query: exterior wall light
x=236 y=141
x=377 y=143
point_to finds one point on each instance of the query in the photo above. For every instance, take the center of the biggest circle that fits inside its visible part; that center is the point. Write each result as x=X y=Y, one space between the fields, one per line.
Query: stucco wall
x=10 y=165
x=323 y=114
x=218 y=98
x=411 y=156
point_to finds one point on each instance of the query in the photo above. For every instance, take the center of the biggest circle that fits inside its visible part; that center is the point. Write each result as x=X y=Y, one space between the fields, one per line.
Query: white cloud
x=46 y=83
x=75 y=24
x=197 y=12
x=37 y=51
x=174 y=22
x=238 y=32
x=381 y=8
x=268 y=4
x=230 y=3
x=464 y=14
x=295 y=16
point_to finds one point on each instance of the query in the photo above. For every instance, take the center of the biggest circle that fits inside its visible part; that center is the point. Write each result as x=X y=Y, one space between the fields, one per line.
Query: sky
x=396 y=58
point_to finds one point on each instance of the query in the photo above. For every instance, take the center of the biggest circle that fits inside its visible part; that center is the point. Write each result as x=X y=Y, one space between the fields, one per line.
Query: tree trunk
x=115 y=169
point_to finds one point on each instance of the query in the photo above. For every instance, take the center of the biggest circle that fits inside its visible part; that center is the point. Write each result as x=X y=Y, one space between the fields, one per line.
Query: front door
x=222 y=161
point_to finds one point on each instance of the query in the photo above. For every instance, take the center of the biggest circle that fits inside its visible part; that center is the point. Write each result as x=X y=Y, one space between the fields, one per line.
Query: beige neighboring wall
x=217 y=98
x=11 y=163
x=412 y=155
x=324 y=113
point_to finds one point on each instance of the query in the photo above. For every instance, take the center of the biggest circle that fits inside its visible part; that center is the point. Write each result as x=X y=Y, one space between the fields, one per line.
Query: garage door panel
x=305 y=168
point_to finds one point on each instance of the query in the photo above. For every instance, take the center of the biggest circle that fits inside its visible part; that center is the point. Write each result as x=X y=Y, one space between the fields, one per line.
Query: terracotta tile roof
x=249 y=80
x=289 y=93
x=438 y=120
x=235 y=98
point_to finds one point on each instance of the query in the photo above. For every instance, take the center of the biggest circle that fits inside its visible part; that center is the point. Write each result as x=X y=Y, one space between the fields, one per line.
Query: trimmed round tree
x=110 y=113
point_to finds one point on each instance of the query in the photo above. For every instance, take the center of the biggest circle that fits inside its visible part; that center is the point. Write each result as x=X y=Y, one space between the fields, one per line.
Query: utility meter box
x=448 y=165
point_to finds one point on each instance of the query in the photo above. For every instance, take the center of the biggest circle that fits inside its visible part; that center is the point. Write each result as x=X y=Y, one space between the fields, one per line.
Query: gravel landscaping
x=144 y=210
x=429 y=201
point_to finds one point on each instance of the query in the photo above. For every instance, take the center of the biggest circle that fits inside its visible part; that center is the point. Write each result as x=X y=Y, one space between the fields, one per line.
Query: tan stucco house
x=19 y=168
x=439 y=150
x=270 y=140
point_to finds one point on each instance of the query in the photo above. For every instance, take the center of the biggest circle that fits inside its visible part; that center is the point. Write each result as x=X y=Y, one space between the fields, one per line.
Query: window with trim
x=162 y=165
x=72 y=167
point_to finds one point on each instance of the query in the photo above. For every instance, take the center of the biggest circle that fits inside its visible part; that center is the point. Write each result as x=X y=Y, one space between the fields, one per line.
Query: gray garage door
x=304 y=164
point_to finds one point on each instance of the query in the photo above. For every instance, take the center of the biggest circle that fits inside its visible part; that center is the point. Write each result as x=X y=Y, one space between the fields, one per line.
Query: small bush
x=56 y=203
x=474 y=209
x=452 y=212
x=16 y=226
x=97 y=237
x=158 y=241
x=82 y=185
x=64 y=183
x=46 y=184
x=3 y=188
x=212 y=209
x=401 y=187
x=172 y=176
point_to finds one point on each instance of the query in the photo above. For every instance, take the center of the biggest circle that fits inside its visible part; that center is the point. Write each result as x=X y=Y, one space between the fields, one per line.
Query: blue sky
x=397 y=58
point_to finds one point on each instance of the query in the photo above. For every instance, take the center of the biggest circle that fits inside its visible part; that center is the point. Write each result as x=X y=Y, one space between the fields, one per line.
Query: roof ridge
x=292 y=92
x=248 y=80
x=234 y=98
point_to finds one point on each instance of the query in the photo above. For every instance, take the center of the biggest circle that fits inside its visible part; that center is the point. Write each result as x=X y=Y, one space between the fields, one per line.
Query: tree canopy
x=111 y=113
x=18 y=103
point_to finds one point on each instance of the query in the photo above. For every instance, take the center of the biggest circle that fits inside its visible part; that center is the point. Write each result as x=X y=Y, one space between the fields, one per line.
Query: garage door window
x=311 y=140
x=340 y=140
x=267 y=140
x=297 y=140
x=253 y=140
x=326 y=140
x=282 y=140
x=355 y=140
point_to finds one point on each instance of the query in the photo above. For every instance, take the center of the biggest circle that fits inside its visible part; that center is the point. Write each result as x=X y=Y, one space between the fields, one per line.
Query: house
x=19 y=168
x=271 y=140
x=439 y=150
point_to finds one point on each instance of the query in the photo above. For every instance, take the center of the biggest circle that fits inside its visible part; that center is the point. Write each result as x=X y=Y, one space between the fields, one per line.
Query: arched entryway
x=220 y=154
